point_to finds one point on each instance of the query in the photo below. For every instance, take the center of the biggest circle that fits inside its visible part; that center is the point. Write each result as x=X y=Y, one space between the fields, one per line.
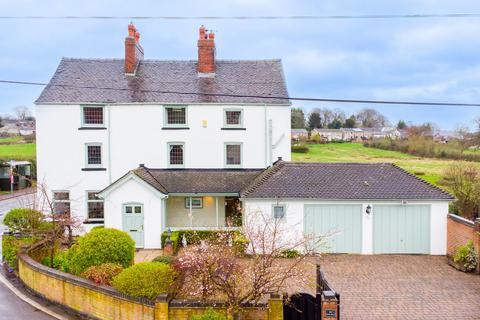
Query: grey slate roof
x=341 y=181
x=87 y=80
x=198 y=180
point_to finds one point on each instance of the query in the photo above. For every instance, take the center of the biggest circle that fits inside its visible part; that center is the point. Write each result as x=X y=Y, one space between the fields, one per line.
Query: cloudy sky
x=402 y=59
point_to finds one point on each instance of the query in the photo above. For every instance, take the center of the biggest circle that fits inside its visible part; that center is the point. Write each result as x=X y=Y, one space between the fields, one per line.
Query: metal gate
x=302 y=306
x=324 y=305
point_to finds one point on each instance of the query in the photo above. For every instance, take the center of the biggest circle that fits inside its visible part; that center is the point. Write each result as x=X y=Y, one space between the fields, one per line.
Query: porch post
x=216 y=209
x=190 y=213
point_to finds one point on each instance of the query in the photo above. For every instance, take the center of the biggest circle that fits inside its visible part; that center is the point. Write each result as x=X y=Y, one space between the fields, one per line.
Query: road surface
x=11 y=307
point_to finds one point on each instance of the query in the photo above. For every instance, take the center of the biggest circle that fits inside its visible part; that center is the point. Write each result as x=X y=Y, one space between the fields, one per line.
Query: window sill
x=175 y=128
x=102 y=221
x=94 y=169
x=227 y=128
x=92 y=128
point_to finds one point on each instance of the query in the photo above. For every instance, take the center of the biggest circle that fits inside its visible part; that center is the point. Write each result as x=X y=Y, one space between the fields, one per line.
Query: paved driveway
x=402 y=287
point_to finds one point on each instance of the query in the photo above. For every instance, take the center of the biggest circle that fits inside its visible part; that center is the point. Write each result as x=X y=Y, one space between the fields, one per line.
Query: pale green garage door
x=342 y=221
x=401 y=229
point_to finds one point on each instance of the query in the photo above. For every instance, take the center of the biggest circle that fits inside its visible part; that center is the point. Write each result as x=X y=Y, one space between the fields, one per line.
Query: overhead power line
x=288 y=17
x=219 y=94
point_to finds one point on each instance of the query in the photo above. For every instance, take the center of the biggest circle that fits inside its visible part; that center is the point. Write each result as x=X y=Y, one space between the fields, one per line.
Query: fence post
x=329 y=305
x=275 y=307
x=161 y=307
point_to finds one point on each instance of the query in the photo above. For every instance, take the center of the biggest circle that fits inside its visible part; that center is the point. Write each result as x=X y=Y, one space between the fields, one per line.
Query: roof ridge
x=262 y=177
x=169 y=60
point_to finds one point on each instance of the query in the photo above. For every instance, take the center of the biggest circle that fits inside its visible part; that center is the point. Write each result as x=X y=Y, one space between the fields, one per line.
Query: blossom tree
x=275 y=257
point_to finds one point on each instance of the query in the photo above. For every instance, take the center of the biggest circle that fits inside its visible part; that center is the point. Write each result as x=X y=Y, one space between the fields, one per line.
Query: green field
x=428 y=169
x=26 y=151
x=13 y=139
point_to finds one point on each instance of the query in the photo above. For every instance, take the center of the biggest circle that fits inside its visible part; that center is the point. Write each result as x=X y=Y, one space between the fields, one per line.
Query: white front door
x=133 y=222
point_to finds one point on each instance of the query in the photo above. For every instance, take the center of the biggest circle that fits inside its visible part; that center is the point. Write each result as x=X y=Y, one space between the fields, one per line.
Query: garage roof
x=341 y=181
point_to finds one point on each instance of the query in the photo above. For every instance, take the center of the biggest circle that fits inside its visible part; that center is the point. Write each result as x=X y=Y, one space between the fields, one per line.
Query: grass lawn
x=25 y=151
x=428 y=169
x=13 y=139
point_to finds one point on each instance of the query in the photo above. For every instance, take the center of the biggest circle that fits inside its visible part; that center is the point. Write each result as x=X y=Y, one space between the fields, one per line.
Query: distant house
x=23 y=128
x=328 y=134
x=299 y=134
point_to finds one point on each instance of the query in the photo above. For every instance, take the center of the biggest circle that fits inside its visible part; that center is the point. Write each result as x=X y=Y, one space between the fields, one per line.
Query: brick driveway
x=402 y=287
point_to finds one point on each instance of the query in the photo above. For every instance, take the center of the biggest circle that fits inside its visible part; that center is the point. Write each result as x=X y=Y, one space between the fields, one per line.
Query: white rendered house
x=146 y=145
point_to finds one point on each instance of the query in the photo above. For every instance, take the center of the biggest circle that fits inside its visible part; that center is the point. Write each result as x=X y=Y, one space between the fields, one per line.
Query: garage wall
x=295 y=210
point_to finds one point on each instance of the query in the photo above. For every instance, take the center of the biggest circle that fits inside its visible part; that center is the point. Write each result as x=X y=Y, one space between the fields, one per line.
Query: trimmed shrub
x=300 y=148
x=59 y=261
x=23 y=221
x=290 y=253
x=11 y=246
x=194 y=237
x=103 y=274
x=99 y=246
x=163 y=259
x=466 y=256
x=210 y=315
x=145 y=280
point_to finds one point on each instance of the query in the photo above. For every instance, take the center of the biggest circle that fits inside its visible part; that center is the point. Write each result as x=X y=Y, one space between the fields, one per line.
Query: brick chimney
x=206 y=52
x=133 y=50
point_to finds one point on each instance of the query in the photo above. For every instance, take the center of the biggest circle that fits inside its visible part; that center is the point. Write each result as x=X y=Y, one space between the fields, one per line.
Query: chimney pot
x=202 y=32
x=131 y=29
x=137 y=36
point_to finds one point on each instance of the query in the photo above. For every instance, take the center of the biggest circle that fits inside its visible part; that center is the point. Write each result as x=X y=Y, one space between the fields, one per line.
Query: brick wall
x=460 y=231
x=102 y=302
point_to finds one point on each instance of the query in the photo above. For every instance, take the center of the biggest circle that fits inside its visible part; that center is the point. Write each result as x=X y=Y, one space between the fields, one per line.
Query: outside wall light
x=368 y=209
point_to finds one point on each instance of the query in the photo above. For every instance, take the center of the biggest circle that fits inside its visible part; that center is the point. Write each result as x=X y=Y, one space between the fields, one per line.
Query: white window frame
x=225 y=155
x=174 y=125
x=169 y=144
x=93 y=144
x=97 y=200
x=54 y=201
x=284 y=211
x=226 y=125
x=92 y=125
x=187 y=202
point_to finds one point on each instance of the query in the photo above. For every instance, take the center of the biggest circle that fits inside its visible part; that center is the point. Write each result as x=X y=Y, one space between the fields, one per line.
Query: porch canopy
x=200 y=198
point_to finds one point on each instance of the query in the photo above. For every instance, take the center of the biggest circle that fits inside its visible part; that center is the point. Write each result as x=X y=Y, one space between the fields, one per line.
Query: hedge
x=12 y=246
x=194 y=237
x=99 y=246
x=145 y=280
x=23 y=221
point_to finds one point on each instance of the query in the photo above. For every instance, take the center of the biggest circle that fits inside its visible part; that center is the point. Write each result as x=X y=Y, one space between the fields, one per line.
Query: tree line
x=336 y=119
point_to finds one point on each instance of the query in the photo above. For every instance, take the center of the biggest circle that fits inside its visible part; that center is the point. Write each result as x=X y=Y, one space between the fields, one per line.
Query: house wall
x=134 y=135
x=178 y=216
x=136 y=191
x=295 y=213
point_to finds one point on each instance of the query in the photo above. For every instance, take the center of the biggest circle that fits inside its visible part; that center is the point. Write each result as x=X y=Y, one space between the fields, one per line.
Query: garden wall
x=102 y=302
x=460 y=231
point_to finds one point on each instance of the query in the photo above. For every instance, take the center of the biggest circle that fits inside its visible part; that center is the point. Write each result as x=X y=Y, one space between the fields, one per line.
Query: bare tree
x=371 y=118
x=22 y=113
x=219 y=270
x=464 y=182
x=62 y=225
